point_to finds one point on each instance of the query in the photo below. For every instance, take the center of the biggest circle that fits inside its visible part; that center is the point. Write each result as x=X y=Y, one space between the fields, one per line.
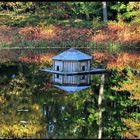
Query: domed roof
x=72 y=54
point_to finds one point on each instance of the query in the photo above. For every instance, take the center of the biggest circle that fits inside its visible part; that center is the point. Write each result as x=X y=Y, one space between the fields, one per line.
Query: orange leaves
x=117 y=60
x=7 y=33
x=134 y=132
x=115 y=27
x=49 y=32
x=117 y=32
x=99 y=56
x=54 y=32
x=46 y=57
x=107 y=33
x=71 y=33
x=40 y=58
x=122 y=60
x=101 y=37
x=30 y=33
x=113 y=32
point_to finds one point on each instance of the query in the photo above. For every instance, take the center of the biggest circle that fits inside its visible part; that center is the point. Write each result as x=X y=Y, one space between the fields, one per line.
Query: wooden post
x=101 y=91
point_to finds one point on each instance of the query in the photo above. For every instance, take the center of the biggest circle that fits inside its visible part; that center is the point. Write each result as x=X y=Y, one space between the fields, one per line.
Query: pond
x=52 y=111
x=31 y=107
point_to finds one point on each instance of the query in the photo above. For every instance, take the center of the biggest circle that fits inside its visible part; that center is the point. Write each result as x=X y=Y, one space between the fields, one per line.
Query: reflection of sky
x=13 y=76
x=71 y=89
x=62 y=108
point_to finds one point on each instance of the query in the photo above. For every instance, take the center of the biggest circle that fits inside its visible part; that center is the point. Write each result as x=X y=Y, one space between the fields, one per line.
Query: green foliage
x=114 y=47
x=74 y=115
x=60 y=9
x=72 y=10
x=127 y=11
x=119 y=6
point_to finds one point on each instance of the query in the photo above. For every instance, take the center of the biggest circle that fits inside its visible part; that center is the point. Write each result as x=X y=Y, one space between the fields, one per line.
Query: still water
x=33 y=108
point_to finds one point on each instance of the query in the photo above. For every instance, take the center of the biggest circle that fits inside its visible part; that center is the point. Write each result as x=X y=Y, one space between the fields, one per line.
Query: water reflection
x=30 y=109
x=50 y=127
x=72 y=89
x=28 y=112
x=49 y=119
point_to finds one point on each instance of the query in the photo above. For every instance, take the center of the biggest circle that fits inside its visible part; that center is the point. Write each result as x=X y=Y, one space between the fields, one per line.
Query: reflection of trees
x=57 y=116
x=19 y=115
x=18 y=123
x=118 y=106
x=71 y=115
x=52 y=111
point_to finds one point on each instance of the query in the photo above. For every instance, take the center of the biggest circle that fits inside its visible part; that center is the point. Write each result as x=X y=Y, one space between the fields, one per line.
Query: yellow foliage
x=133 y=88
x=20 y=130
x=36 y=107
x=2 y=100
x=134 y=126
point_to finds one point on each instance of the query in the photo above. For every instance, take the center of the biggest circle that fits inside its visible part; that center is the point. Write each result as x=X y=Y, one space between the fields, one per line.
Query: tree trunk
x=104 y=12
x=100 y=105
